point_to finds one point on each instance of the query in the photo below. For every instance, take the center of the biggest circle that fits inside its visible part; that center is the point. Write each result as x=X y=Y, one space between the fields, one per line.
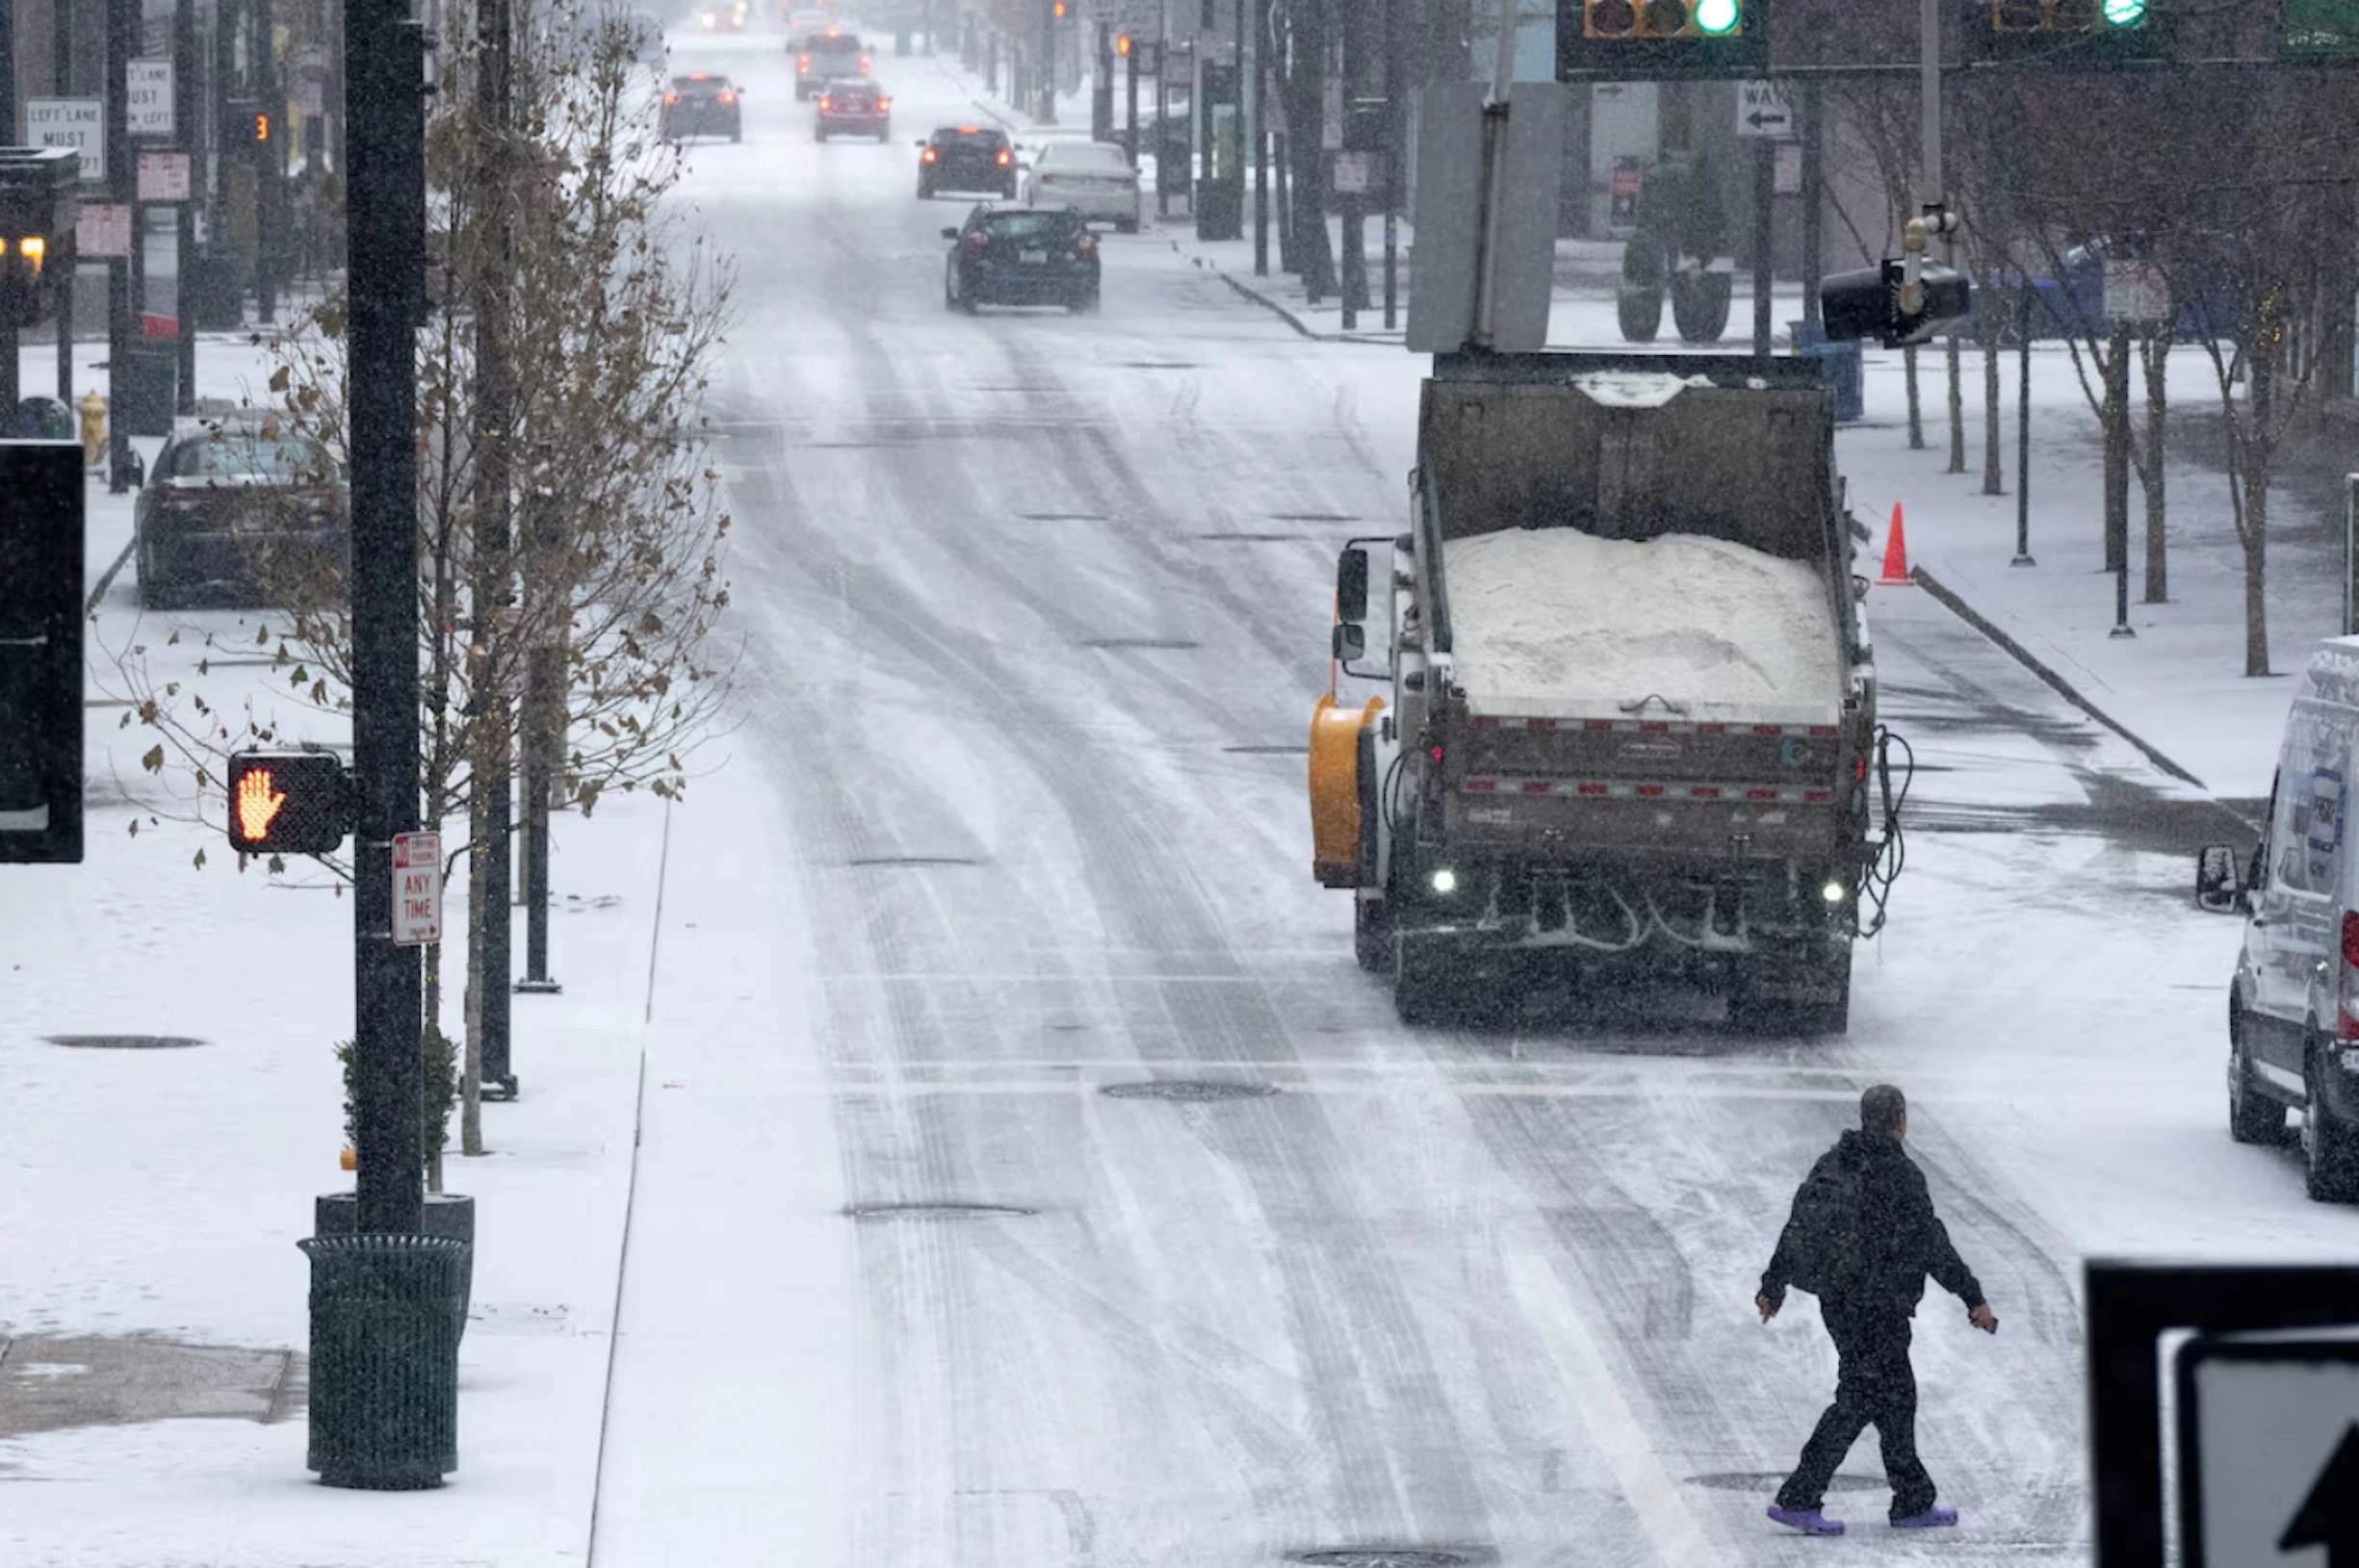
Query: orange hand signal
x=257 y=805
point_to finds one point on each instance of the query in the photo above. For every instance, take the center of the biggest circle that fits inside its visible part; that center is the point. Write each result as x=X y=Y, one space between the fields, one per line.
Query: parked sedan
x=966 y=158
x=854 y=109
x=701 y=104
x=243 y=513
x=1092 y=178
x=1020 y=256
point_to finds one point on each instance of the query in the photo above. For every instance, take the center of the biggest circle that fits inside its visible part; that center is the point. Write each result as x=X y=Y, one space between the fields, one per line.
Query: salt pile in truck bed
x=1556 y=623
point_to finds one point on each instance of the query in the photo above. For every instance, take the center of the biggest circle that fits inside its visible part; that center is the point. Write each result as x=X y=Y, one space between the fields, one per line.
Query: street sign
x=1331 y=116
x=1359 y=174
x=1763 y=109
x=2136 y=291
x=79 y=123
x=2269 y=1449
x=417 y=888
x=102 y=228
x=163 y=176
x=147 y=96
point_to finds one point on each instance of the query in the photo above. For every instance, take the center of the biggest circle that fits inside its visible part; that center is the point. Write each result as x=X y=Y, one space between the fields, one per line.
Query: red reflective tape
x=1711 y=729
x=1823 y=731
x=1818 y=794
x=1592 y=789
x=1598 y=724
x=1481 y=723
x=1656 y=728
x=1539 y=724
x=1535 y=787
x=1760 y=794
x=1482 y=786
x=1650 y=790
x=1704 y=791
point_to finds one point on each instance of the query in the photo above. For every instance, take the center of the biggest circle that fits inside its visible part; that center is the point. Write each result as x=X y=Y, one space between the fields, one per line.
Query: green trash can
x=385 y=1317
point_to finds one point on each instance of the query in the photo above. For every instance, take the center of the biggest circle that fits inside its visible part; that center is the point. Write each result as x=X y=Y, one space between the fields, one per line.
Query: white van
x=2294 y=1006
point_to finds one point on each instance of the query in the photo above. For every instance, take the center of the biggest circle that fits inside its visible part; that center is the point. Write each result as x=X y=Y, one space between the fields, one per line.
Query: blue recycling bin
x=1846 y=372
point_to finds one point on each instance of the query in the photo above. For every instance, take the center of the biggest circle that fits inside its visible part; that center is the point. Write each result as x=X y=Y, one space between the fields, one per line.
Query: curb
x=106 y=580
x=2062 y=687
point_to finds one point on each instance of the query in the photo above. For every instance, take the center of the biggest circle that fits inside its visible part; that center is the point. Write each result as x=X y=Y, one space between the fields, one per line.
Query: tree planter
x=449 y=1216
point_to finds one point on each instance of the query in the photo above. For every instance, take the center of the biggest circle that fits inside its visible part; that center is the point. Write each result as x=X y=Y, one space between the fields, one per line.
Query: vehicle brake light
x=803 y=64
x=827 y=103
x=1435 y=752
x=883 y=104
x=1004 y=158
x=979 y=241
x=729 y=98
x=1086 y=245
x=926 y=157
x=671 y=98
x=864 y=64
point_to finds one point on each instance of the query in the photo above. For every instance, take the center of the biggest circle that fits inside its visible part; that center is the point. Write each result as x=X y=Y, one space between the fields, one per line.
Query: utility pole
x=270 y=165
x=123 y=37
x=490 y=812
x=543 y=730
x=184 y=128
x=1814 y=201
x=1396 y=152
x=1262 y=137
x=385 y=241
x=1354 y=282
x=62 y=83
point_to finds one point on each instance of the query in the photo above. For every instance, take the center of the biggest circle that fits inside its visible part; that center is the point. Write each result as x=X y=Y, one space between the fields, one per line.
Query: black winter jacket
x=1905 y=1239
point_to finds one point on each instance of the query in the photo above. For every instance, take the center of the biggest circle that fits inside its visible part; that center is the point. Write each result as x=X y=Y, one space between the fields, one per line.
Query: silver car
x=1092 y=178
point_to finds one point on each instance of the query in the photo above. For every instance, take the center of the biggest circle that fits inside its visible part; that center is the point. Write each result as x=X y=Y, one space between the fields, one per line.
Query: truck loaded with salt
x=1630 y=727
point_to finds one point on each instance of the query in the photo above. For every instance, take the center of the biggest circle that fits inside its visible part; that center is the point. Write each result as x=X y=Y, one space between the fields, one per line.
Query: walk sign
x=2268 y=1451
x=1764 y=109
x=417 y=890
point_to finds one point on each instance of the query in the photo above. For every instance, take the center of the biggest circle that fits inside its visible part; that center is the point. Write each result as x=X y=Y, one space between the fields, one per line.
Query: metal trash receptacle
x=385 y=1317
x=1841 y=363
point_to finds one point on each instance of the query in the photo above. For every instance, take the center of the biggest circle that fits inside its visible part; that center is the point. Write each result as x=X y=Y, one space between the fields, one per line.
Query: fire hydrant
x=94 y=428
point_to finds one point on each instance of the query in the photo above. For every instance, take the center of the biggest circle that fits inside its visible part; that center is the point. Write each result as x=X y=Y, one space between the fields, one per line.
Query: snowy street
x=1000 y=1161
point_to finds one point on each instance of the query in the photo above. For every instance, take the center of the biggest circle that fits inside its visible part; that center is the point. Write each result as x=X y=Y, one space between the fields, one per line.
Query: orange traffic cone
x=1896 y=554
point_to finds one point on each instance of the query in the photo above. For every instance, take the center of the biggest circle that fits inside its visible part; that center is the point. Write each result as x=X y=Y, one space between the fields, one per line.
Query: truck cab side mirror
x=2219 y=888
x=1352 y=587
x=1351 y=642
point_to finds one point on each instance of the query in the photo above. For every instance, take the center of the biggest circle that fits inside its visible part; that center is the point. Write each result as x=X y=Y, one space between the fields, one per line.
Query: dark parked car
x=701 y=105
x=241 y=511
x=1022 y=256
x=966 y=158
x=853 y=109
x=826 y=56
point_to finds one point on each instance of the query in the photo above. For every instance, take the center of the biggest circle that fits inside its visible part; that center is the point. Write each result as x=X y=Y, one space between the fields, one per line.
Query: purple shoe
x=1929 y=1519
x=1811 y=1522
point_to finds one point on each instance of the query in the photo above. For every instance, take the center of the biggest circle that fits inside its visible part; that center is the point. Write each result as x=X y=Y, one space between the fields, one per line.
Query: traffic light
x=2063 y=31
x=1660 y=38
x=288 y=802
x=40 y=651
x=1058 y=8
x=2319 y=29
x=1866 y=305
x=36 y=220
x=249 y=124
x=1121 y=45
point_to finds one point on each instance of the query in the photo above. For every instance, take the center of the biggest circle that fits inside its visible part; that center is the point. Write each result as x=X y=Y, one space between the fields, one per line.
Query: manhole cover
x=891 y=860
x=938 y=1211
x=125 y=1042
x=1764 y=1481
x=1383 y=1556
x=1194 y=1092
x=1157 y=644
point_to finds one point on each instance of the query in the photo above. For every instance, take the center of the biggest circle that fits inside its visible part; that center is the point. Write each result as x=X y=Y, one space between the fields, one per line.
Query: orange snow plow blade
x=1335 y=790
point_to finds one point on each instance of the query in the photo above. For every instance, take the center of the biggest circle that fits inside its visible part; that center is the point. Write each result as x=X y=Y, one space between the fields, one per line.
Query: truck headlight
x=1834 y=892
x=1445 y=881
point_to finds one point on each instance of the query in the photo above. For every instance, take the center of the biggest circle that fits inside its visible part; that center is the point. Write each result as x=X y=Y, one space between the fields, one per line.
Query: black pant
x=1875 y=1387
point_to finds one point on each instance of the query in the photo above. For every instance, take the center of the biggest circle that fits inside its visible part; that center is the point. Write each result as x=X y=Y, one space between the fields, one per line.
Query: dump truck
x=1627 y=731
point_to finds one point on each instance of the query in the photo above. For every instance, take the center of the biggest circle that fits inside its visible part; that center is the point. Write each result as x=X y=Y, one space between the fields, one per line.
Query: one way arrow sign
x=2269 y=1460
x=2329 y=1515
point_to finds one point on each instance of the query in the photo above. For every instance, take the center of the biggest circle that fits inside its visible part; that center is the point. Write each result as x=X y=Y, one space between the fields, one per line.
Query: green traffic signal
x=2123 y=13
x=1716 y=19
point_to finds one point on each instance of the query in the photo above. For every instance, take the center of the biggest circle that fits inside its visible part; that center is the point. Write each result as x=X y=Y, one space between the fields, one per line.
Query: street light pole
x=2023 y=427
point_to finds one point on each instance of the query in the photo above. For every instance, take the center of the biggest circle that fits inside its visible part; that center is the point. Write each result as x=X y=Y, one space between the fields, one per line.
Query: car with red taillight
x=701 y=104
x=242 y=511
x=829 y=55
x=2293 y=1004
x=966 y=158
x=1020 y=256
x=854 y=108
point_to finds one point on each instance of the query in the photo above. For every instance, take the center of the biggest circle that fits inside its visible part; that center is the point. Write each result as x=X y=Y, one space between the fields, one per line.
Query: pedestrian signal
x=287 y=802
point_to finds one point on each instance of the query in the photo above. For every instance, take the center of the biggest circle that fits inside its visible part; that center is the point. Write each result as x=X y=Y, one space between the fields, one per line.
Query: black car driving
x=966 y=158
x=1022 y=256
x=701 y=104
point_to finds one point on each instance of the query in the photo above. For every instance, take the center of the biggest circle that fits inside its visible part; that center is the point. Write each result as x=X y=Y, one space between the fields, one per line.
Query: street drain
x=1764 y=1480
x=1191 y=1092
x=938 y=1211
x=910 y=861
x=1383 y=1556
x=125 y=1042
x=1170 y=645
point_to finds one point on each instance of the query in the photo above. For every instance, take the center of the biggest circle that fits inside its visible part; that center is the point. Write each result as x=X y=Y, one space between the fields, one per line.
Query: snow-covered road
x=1036 y=609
